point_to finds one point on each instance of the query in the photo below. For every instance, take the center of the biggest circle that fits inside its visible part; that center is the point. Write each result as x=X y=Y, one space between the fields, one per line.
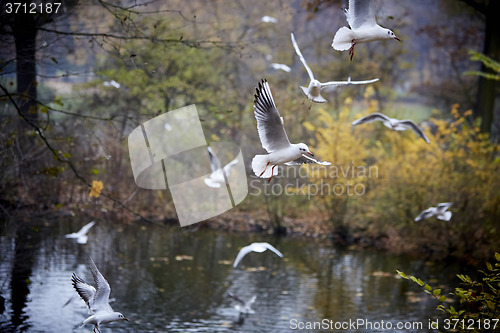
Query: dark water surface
x=166 y=279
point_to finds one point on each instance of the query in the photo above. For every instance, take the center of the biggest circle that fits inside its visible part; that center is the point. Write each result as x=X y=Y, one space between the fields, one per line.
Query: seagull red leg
x=272 y=174
x=351 y=50
x=264 y=169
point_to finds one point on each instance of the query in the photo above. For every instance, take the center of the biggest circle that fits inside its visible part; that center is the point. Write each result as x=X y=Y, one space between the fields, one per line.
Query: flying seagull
x=217 y=175
x=283 y=67
x=394 y=124
x=364 y=28
x=242 y=306
x=97 y=299
x=313 y=91
x=268 y=19
x=255 y=247
x=81 y=235
x=440 y=211
x=274 y=139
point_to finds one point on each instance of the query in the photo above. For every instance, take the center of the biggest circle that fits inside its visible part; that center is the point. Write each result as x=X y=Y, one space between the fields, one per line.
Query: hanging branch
x=67 y=161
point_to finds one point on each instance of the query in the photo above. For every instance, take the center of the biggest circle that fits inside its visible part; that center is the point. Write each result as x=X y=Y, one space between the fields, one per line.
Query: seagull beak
x=396 y=38
x=125 y=319
x=310 y=153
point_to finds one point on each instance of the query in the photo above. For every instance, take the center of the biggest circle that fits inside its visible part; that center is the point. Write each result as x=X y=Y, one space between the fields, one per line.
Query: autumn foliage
x=460 y=165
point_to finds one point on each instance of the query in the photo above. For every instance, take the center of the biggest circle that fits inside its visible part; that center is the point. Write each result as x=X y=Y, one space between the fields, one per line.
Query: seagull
x=243 y=307
x=268 y=19
x=96 y=299
x=440 y=211
x=255 y=247
x=394 y=124
x=274 y=139
x=283 y=67
x=218 y=174
x=81 y=235
x=313 y=91
x=364 y=28
x=112 y=83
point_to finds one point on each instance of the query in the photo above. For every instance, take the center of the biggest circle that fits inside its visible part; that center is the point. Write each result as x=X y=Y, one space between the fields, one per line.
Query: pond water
x=168 y=279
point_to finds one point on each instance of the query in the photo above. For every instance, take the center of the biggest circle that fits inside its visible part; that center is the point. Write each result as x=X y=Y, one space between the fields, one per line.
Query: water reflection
x=170 y=279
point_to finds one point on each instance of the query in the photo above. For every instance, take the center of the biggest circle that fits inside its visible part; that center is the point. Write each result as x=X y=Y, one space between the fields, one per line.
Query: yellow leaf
x=96 y=189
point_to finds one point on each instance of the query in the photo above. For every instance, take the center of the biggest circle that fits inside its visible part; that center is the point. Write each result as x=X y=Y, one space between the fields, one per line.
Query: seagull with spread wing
x=364 y=28
x=242 y=306
x=218 y=175
x=440 y=211
x=97 y=299
x=313 y=91
x=255 y=247
x=394 y=124
x=81 y=235
x=274 y=139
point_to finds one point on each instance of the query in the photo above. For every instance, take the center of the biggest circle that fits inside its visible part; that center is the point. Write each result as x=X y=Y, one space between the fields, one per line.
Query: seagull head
x=303 y=149
x=391 y=35
x=120 y=316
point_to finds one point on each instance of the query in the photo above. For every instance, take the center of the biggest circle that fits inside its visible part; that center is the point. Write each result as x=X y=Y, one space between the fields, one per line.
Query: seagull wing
x=360 y=14
x=272 y=248
x=269 y=125
x=442 y=207
x=333 y=84
x=370 y=118
x=301 y=57
x=214 y=161
x=229 y=166
x=85 y=228
x=425 y=214
x=236 y=298
x=101 y=297
x=243 y=252
x=306 y=160
x=410 y=124
x=84 y=290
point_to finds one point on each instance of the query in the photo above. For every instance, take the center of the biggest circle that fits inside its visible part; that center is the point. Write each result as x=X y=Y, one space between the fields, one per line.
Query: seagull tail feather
x=342 y=39
x=260 y=163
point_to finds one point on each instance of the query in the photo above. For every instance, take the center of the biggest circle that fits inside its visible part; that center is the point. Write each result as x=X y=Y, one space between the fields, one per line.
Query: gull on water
x=97 y=299
x=255 y=247
x=218 y=175
x=394 y=124
x=81 y=235
x=440 y=211
x=364 y=28
x=313 y=91
x=242 y=306
x=274 y=139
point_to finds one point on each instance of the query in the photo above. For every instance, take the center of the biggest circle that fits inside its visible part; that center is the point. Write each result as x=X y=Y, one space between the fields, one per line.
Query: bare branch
x=65 y=160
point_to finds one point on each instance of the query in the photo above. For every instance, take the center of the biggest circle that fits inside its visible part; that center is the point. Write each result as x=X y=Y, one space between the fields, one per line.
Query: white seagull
x=112 y=83
x=440 y=211
x=364 y=28
x=394 y=124
x=313 y=91
x=274 y=139
x=217 y=176
x=242 y=306
x=268 y=19
x=81 y=235
x=283 y=67
x=255 y=247
x=97 y=299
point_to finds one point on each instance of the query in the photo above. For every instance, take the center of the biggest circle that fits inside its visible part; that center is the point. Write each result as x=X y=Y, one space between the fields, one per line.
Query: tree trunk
x=487 y=87
x=24 y=31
